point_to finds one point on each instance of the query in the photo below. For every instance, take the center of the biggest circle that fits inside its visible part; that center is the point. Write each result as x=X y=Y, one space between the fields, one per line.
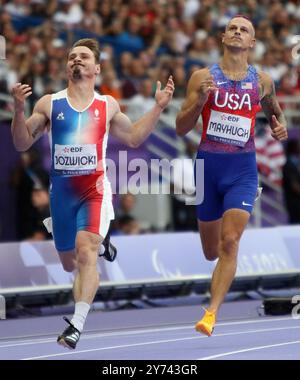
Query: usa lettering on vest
x=233 y=101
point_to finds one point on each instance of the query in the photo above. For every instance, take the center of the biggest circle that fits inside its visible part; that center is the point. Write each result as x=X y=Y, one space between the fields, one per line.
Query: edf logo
x=76 y=149
x=2 y=307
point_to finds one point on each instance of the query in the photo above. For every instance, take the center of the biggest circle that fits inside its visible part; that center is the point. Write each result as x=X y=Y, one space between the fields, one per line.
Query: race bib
x=228 y=129
x=75 y=159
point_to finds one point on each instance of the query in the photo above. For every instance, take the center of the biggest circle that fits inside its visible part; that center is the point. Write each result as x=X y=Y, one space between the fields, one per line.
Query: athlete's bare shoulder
x=199 y=75
x=111 y=101
x=113 y=106
x=265 y=82
x=196 y=79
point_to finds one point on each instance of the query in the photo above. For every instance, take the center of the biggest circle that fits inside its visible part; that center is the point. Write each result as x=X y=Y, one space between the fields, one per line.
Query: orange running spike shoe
x=207 y=323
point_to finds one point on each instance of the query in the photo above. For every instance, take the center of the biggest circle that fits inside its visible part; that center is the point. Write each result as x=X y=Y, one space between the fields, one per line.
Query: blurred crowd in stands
x=142 y=41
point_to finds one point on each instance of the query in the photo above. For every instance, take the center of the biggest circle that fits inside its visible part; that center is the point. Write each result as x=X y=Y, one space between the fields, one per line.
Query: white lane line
x=248 y=350
x=13 y=343
x=49 y=340
x=163 y=341
x=104 y=335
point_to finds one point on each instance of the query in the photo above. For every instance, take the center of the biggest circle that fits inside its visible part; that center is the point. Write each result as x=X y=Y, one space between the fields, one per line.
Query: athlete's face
x=81 y=64
x=239 y=34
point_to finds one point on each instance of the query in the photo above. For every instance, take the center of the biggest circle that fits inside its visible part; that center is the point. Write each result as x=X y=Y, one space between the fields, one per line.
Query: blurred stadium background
x=142 y=42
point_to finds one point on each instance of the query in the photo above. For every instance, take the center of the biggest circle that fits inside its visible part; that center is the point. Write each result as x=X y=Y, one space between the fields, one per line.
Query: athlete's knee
x=229 y=245
x=86 y=256
x=87 y=248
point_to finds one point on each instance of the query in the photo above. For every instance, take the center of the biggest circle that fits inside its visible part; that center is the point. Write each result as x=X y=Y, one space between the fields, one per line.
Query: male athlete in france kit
x=228 y=95
x=78 y=121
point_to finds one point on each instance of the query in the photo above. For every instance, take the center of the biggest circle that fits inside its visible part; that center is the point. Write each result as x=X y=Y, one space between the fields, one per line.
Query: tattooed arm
x=272 y=108
x=27 y=132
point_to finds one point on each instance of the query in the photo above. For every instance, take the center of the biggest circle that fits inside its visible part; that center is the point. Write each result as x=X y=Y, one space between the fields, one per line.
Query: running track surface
x=165 y=333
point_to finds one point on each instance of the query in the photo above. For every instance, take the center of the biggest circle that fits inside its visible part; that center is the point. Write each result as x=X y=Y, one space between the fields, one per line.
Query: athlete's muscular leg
x=210 y=234
x=69 y=263
x=234 y=222
x=68 y=260
x=87 y=278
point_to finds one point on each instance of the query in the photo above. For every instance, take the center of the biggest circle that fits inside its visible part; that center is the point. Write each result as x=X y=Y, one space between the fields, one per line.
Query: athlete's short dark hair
x=90 y=43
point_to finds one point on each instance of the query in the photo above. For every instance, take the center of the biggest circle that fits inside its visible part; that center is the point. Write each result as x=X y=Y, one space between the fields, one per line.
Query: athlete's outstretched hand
x=279 y=131
x=20 y=92
x=163 y=97
x=206 y=87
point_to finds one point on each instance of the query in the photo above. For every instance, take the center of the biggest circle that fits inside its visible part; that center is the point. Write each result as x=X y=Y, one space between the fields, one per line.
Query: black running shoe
x=110 y=251
x=70 y=337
